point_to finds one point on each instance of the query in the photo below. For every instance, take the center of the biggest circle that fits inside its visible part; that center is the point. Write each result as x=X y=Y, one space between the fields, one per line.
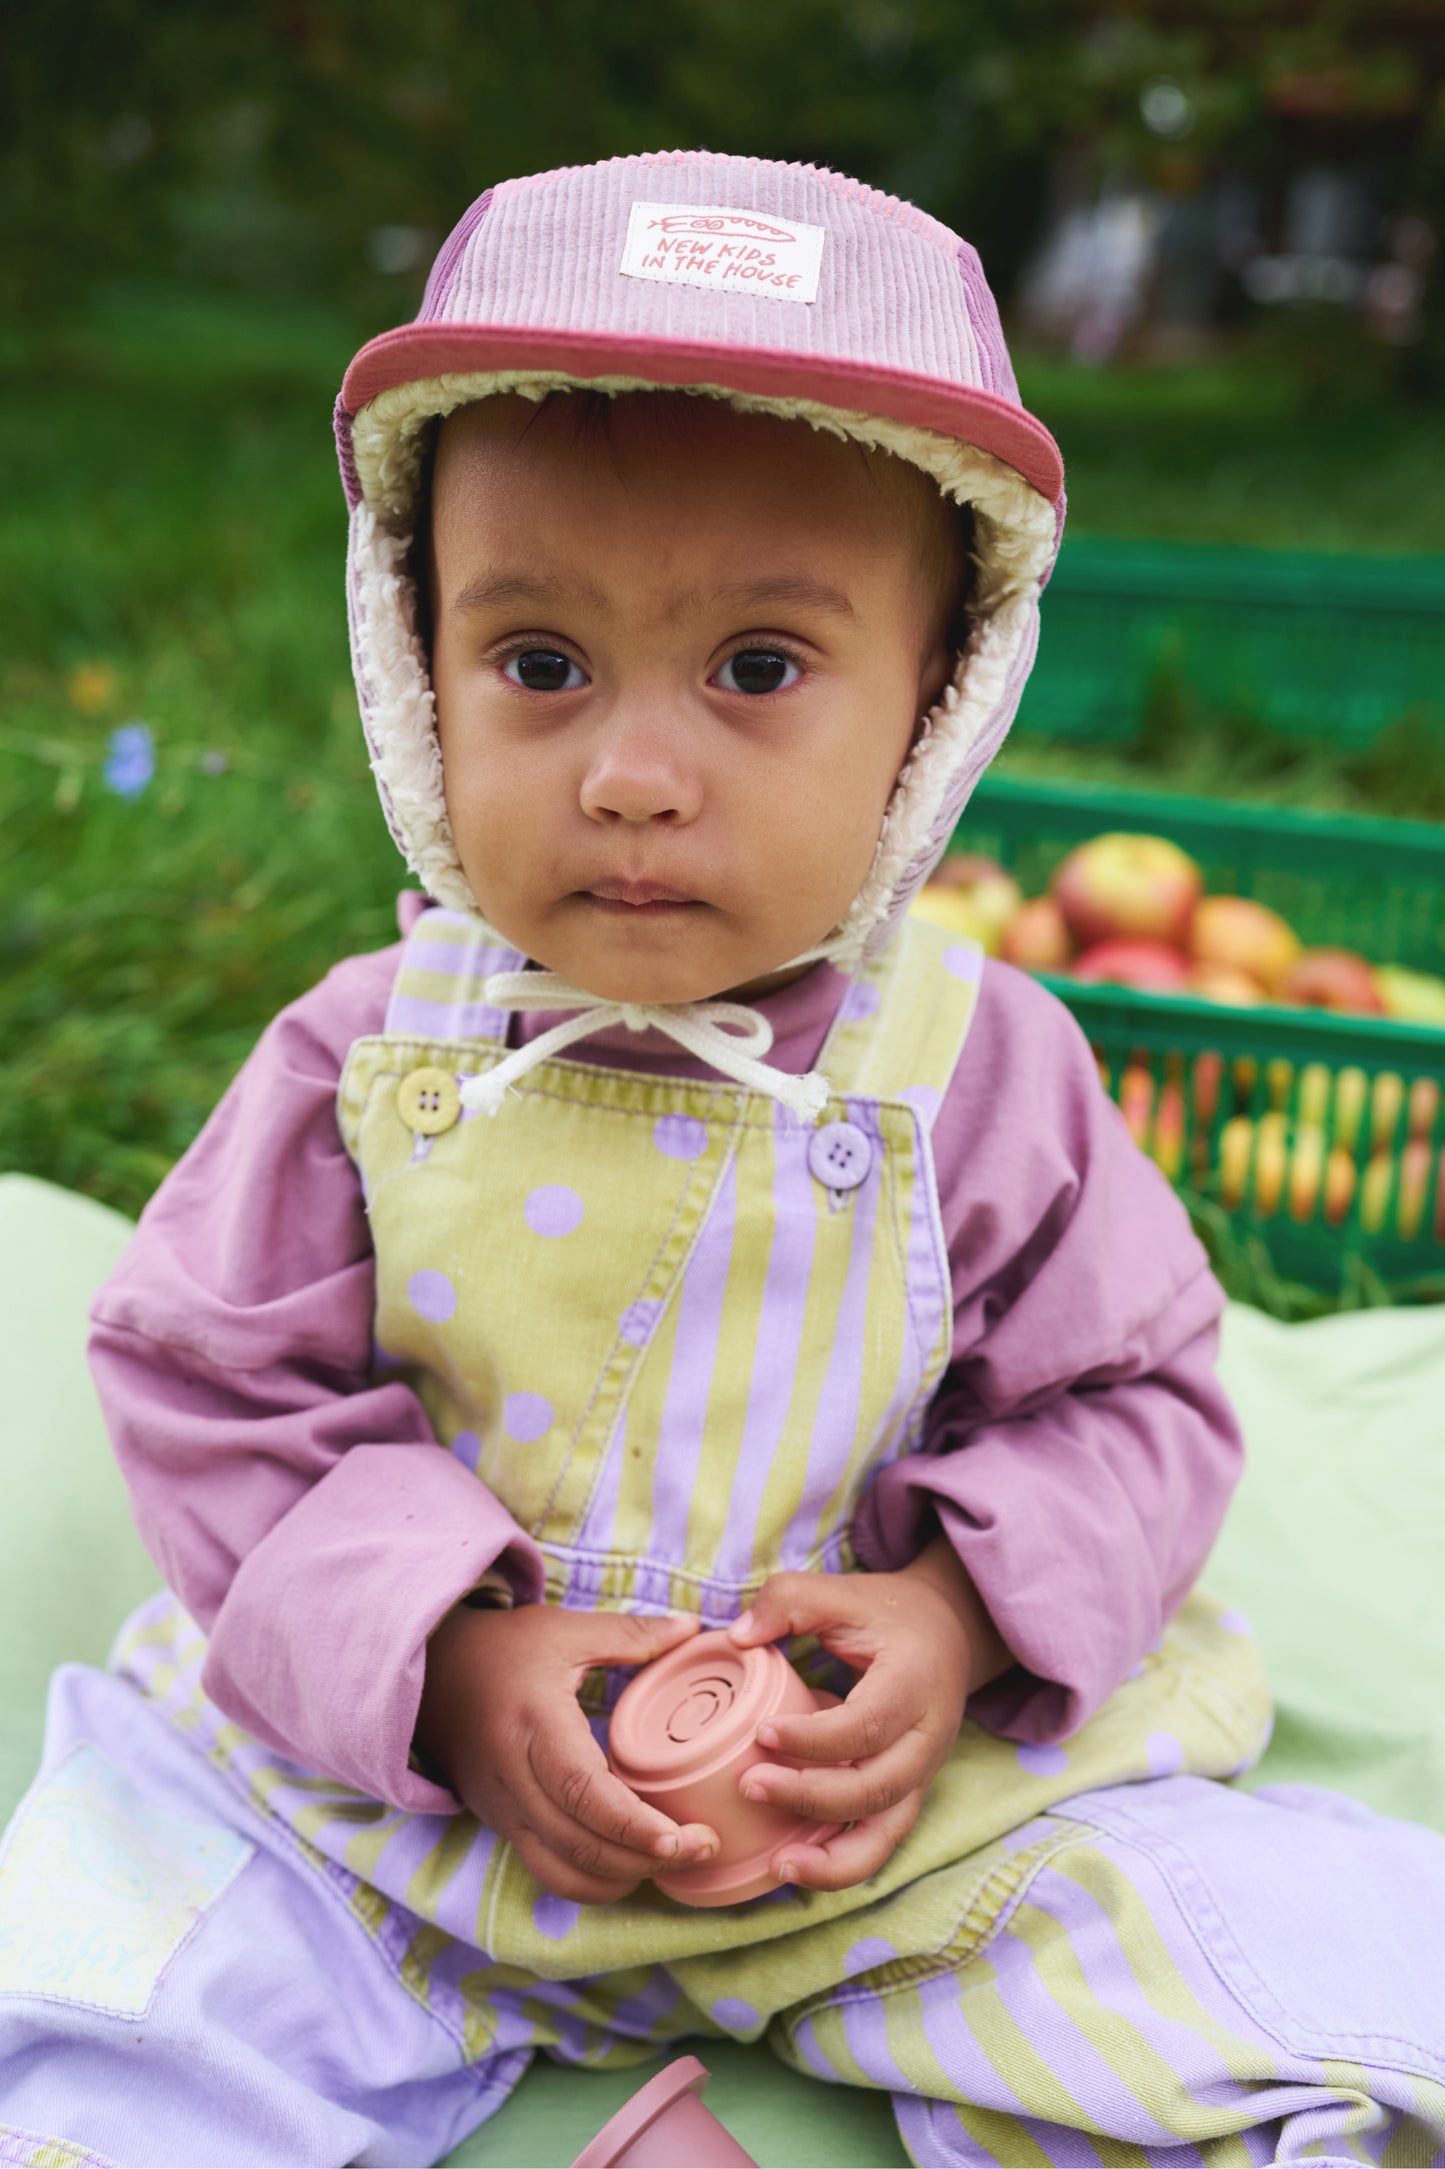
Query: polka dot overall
x=677 y=1334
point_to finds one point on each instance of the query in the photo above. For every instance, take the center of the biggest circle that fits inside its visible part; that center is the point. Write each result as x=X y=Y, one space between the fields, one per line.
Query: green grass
x=171 y=512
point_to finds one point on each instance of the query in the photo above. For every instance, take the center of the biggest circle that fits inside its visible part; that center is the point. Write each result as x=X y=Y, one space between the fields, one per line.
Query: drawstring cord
x=728 y=1036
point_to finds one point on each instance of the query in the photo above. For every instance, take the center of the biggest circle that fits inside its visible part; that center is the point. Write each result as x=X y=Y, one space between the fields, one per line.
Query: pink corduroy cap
x=892 y=315
x=778 y=288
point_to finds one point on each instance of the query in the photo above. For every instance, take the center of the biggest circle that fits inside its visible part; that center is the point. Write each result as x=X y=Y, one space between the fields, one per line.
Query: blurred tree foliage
x=263 y=143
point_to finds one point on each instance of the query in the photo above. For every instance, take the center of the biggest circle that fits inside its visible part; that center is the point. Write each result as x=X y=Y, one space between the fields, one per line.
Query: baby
x=670 y=1232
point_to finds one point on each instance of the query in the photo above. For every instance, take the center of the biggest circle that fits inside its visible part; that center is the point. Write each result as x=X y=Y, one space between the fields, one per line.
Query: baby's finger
x=557 y=1874
x=853 y=1855
x=572 y=1771
x=883 y=1705
x=842 y=1796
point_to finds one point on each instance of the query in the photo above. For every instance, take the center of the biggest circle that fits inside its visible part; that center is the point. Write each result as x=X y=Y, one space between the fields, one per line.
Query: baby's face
x=679 y=660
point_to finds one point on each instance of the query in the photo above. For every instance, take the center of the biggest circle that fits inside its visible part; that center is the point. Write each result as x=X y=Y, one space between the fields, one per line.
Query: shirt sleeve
x=301 y=1511
x=1081 y=1451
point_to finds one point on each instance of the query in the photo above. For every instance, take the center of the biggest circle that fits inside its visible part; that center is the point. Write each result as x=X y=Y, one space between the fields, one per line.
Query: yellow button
x=428 y=1101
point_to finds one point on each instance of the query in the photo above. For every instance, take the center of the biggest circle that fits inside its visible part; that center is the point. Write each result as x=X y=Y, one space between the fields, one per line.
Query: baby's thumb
x=788 y=1604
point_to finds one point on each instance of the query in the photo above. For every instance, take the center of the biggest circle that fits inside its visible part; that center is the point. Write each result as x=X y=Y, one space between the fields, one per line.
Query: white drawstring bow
x=728 y=1036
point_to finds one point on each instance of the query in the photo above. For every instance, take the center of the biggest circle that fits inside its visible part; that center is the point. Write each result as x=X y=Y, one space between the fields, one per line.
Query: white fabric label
x=99 y=1888
x=738 y=252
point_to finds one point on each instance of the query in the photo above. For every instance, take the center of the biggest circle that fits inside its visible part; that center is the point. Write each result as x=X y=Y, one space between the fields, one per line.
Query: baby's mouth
x=639 y=898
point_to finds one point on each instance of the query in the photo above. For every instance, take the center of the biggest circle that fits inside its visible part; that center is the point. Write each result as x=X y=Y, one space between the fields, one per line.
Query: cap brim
x=982 y=418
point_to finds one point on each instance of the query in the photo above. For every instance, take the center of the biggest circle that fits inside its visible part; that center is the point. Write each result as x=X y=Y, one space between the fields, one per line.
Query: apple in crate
x=1234 y=933
x=1037 y=937
x=971 y=895
x=1225 y=983
x=1413 y=997
x=1120 y=884
x=1332 y=979
x=1151 y=967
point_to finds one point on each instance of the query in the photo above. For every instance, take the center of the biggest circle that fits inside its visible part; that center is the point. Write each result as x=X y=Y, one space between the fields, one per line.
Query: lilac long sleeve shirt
x=1079 y=1456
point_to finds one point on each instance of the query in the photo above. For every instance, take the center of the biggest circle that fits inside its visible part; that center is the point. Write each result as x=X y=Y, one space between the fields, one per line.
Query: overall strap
x=901 y=1027
x=437 y=991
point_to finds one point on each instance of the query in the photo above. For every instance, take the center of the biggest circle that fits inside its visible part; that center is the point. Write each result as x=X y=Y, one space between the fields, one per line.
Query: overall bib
x=678 y=1335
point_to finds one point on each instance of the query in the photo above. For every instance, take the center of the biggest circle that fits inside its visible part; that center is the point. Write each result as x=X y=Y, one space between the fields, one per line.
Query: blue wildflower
x=131 y=762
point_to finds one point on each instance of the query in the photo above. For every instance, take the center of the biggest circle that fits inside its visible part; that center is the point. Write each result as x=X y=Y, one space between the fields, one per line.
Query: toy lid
x=692 y=1710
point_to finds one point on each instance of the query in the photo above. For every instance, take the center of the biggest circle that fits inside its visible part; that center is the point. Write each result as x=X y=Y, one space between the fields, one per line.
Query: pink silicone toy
x=682 y=1735
x=666 y=2125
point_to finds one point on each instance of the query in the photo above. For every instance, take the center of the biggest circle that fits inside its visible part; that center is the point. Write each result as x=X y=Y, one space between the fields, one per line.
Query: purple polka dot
x=964 y=963
x=868 y=1952
x=638 y=1320
x=432 y=1295
x=468 y=1448
x=1166 y=1754
x=859 y=1002
x=736 y=2014
x=1235 y=1623
x=528 y=1416
x=556 y=1917
x=925 y=1099
x=1042 y=1761
x=553 y=1210
x=680 y=1137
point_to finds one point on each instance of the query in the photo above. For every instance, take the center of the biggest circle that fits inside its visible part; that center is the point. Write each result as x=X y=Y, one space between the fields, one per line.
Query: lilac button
x=679 y=1137
x=840 y=1155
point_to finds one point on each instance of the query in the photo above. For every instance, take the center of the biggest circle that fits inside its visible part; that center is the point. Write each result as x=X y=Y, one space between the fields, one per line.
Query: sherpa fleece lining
x=1014 y=545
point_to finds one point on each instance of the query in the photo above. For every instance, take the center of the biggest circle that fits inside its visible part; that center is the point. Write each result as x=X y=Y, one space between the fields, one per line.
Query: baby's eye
x=758 y=670
x=544 y=670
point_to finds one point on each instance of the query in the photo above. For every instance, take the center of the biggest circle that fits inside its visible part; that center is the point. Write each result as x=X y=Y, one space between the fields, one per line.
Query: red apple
x=1150 y=966
x=1236 y=933
x=1037 y=937
x=1332 y=979
x=1121 y=884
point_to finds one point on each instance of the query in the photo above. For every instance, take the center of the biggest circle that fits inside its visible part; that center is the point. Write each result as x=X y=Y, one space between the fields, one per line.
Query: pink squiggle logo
x=732 y=228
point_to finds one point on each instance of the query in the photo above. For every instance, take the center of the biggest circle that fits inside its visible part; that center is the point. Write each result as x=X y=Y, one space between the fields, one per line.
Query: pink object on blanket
x=666 y=2125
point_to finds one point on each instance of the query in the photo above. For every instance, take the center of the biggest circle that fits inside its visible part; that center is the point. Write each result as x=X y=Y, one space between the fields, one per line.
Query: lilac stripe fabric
x=780 y=1340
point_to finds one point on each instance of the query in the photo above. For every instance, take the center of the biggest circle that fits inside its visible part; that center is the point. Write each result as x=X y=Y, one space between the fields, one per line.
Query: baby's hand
x=500 y=1717
x=921 y=1641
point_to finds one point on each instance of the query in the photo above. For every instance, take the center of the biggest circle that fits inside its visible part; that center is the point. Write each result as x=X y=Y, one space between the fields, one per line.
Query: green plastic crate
x=1185 y=1068
x=1314 y=646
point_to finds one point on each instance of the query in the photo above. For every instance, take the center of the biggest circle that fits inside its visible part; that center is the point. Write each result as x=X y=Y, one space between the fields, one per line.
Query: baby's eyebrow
x=797 y=587
x=489 y=589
